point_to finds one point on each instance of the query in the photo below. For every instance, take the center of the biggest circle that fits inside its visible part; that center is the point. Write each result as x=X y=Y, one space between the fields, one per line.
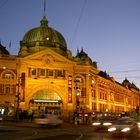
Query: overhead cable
x=125 y=71
x=78 y=22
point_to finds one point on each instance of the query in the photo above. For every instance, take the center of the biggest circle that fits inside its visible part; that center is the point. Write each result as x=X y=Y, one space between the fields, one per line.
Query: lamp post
x=77 y=98
x=18 y=98
x=77 y=93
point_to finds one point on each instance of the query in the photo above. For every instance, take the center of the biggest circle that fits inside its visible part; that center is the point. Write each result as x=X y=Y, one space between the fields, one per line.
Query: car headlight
x=125 y=129
x=96 y=123
x=107 y=124
x=112 y=129
x=138 y=124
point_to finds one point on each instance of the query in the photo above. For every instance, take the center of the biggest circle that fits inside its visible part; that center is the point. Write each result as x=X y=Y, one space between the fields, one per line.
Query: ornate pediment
x=47 y=57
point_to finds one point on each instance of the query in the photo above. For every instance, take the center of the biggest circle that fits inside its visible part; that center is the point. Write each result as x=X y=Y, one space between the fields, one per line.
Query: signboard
x=70 y=89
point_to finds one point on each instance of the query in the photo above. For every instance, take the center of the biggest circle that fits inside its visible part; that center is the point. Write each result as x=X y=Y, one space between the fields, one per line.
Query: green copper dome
x=43 y=36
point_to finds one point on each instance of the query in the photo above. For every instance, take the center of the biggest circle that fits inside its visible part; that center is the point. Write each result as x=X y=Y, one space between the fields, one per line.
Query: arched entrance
x=47 y=101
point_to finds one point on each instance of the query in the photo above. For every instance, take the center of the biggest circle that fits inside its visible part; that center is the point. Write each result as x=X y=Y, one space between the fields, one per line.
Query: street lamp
x=77 y=97
x=18 y=97
x=77 y=94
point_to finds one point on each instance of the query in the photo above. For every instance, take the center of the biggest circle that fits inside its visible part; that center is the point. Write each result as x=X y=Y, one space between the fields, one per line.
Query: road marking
x=28 y=137
x=81 y=135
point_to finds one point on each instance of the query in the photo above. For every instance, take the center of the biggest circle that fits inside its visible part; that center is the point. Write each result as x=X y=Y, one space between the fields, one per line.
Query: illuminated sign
x=46 y=101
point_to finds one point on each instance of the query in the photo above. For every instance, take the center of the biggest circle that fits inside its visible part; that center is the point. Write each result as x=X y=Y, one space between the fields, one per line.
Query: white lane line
x=81 y=135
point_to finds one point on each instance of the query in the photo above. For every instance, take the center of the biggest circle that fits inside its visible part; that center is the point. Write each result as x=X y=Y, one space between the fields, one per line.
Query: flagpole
x=44 y=7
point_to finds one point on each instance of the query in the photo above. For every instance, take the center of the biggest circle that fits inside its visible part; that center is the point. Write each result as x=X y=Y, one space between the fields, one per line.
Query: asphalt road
x=85 y=137
x=14 y=131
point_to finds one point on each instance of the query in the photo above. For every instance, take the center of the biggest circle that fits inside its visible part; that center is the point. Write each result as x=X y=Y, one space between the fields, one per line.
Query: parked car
x=124 y=127
x=103 y=123
x=49 y=120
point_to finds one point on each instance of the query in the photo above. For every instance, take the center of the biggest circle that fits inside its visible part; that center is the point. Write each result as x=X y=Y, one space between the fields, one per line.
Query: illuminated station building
x=45 y=76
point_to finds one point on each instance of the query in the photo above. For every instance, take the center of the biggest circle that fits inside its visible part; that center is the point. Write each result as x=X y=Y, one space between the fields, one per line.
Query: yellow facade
x=43 y=78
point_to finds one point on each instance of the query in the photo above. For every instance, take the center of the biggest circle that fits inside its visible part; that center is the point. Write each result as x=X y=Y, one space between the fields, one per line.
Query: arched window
x=8 y=82
x=7 y=75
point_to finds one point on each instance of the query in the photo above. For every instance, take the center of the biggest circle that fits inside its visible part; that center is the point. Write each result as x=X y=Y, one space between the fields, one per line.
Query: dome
x=44 y=36
x=82 y=57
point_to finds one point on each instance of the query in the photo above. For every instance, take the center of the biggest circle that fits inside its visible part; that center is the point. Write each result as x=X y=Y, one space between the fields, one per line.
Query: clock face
x=47 y=59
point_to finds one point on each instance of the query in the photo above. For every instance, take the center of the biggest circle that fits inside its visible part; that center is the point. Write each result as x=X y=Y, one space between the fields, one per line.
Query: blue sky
x=108 y=30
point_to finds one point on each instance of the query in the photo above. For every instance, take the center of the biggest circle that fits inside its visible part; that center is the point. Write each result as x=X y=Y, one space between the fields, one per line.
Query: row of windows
x=103 y=95
x=119 y=108
x=39 y=72
x=7 y=89
x=118 y=98
x=103 y=107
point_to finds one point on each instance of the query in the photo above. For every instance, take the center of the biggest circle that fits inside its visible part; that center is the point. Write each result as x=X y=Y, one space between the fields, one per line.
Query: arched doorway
x=47 y=101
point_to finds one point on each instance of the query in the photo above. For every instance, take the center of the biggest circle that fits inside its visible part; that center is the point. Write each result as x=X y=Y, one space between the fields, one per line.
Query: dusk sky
x=107 y=30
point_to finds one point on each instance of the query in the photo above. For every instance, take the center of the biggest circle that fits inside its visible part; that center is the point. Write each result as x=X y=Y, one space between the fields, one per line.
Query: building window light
x=50 y=73
x=42 y=72
x=33 y=71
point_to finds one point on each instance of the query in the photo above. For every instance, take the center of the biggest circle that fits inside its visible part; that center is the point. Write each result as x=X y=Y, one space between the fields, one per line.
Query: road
x=93 y=136
x=13 y=132
x=86 y=137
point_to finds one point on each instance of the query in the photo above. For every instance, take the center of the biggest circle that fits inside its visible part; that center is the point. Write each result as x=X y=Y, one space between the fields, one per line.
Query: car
x=49 y=120
x=103 y=123
x=2 y=110
x=137 y=119
x=124 y=127
x=138 y=124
